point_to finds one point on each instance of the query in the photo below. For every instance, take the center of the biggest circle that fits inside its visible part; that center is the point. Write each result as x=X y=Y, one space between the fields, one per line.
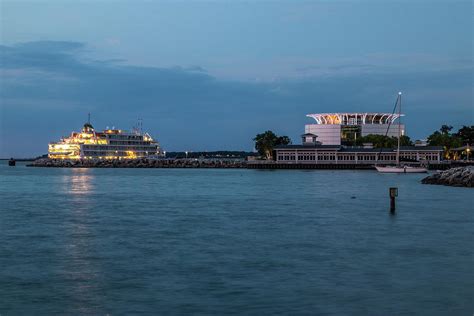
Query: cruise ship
x=107 y=144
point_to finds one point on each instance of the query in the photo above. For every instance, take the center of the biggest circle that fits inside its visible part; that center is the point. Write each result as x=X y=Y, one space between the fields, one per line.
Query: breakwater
x=458 y=177
x=139 y=163
x=203 y=163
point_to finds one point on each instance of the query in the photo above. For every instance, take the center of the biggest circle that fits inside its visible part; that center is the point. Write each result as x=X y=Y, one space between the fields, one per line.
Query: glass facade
x=349 y=134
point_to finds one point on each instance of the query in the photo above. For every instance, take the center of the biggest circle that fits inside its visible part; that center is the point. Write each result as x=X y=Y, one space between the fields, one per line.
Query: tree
x=466 y=135
x=445 y=129
x=447 y=140
x=382 y=141
x=265 y=142
x=405 y=141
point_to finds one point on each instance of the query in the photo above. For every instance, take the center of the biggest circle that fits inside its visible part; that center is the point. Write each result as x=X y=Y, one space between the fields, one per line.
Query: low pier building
x=334 y=154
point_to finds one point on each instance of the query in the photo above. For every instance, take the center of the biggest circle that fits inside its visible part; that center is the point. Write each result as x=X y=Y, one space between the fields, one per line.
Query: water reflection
x=81 y=267
x=80 y=182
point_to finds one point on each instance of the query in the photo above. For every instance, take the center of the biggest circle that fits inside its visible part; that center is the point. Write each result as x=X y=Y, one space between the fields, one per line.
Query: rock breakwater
x=139 y=163
x=457 y=177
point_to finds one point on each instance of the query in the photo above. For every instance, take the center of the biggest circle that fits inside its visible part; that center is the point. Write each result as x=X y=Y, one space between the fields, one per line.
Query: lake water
x=217 y=241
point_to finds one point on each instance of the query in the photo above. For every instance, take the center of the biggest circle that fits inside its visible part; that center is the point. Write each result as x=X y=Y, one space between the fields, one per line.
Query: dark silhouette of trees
x=466 y=134
x=382 y=141
x=449 y=140
x=265 y=142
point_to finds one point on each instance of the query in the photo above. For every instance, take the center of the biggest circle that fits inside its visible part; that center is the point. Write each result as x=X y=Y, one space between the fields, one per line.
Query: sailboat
x=398 y=168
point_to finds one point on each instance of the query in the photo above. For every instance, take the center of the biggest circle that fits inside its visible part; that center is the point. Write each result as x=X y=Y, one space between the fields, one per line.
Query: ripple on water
x=128 y=241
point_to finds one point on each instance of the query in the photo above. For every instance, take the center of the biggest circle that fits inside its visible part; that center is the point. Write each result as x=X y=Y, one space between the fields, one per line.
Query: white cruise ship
x=107 y=144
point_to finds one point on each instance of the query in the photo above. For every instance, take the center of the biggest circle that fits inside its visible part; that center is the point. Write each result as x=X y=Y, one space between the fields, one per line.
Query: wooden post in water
x=393 y=192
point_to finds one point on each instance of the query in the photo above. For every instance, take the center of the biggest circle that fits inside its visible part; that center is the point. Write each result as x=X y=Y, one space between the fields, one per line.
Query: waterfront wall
x=277 y=165
x=210 y=163
x=139 y=163
x=361 y=165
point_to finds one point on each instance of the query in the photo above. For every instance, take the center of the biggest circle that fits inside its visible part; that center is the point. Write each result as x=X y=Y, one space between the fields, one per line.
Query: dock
x=264 y=164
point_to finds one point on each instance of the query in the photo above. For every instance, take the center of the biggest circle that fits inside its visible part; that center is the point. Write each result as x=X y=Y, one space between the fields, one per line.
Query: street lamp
x=186 y=154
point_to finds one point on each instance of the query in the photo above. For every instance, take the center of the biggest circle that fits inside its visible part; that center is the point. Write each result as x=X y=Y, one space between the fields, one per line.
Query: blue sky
x=210 y=75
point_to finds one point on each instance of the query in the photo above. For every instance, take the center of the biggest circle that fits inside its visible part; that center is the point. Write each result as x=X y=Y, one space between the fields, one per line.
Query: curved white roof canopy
x=354 y=118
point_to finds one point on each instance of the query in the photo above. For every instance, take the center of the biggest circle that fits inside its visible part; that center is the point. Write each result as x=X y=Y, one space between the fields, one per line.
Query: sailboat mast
x=399 y=126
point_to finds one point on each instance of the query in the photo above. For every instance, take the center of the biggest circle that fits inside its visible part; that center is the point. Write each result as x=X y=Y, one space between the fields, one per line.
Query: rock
x=138 y=163
x=459 y=177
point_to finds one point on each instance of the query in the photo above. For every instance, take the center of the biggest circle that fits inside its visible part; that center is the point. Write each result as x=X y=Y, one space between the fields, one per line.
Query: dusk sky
x=211 y=75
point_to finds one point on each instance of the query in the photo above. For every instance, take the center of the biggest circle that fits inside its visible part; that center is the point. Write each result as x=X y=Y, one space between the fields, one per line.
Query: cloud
x=51 y=46
x=104 y=83
x=112 y=41
x=49 y=87
x=45 y=55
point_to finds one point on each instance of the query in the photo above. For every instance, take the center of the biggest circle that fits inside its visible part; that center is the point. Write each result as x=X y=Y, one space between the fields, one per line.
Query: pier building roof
x=360 y=149
x=316 y=145
x=354 y=118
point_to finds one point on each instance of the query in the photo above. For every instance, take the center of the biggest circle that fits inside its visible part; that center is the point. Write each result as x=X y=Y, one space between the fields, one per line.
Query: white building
x=332 y=154
x=345 y=128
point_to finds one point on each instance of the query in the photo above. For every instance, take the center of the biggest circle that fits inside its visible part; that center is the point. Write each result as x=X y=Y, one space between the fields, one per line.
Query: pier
x=276 y=165
x=264 y=164
x=139 y=163
x=210 y=163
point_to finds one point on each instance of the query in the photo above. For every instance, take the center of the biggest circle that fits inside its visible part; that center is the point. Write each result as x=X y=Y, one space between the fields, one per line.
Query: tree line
x=449 y=140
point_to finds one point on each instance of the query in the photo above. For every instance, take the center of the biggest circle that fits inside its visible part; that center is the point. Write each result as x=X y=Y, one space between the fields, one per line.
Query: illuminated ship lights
x=107 y=144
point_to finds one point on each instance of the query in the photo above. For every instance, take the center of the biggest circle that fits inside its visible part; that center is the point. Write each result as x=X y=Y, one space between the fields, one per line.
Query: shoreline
x=455 y=177
x=139 y=163
x=212 y=163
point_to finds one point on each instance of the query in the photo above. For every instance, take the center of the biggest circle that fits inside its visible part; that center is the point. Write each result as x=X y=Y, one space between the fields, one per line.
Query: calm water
x=190 y=241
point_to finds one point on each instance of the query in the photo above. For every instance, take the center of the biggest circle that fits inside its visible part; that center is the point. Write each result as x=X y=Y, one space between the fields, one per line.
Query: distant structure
x=106 y=144
x=315 y=153
x=345 y=128
x=421 y=142
x=332 y=141
x=331 y=144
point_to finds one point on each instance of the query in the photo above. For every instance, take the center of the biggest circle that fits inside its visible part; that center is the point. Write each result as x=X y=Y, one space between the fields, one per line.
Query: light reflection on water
x=81 y=268
x=80 y=182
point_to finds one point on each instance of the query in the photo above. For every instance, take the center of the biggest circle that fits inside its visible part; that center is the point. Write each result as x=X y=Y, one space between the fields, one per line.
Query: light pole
x=186 y=154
